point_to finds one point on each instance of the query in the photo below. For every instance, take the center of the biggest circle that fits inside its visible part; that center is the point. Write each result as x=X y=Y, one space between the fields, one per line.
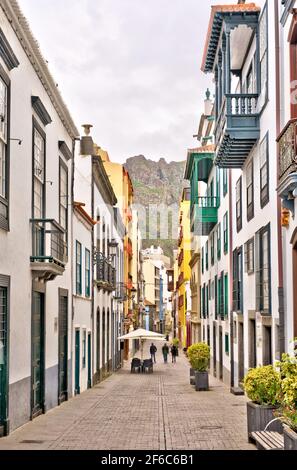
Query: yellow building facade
x=184 y=271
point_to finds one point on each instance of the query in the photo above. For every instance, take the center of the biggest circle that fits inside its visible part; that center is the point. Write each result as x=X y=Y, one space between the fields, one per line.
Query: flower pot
x=290 y=438
x=192 y=376
x=201 y=381
x=258 y=416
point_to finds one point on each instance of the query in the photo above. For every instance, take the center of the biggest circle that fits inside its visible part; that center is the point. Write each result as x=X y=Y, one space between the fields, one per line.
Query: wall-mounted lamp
x=17 y=140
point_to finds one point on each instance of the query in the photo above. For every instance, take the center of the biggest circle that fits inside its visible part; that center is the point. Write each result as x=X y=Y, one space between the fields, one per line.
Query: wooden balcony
x=287 y=164
x=204 y=215
x=49 y=253
x=237 y=129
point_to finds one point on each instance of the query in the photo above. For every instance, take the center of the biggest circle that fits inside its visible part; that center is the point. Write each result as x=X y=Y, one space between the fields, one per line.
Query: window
x=264 y=173
x=78 y=269
x=250 y=190
x=206 y=256
x=239 y=204
x=218 y=190
x=212 y=248
x=88 y=273
x=226 y=293
x=263 y=50
x=221 y=296
x=39 y=172
x=206 y=302
x=263 y=274
x=4 y=151
x=202 y=260
x=237 y=280
x=226 y=233
x=84 y=347
x=249 y=256
x=219 y=241
x=225 y=181
x=216 y=296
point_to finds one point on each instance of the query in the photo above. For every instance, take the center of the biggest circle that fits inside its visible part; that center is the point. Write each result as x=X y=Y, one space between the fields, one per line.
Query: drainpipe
x=72 y=252
x=281 y=308
x=231 y=281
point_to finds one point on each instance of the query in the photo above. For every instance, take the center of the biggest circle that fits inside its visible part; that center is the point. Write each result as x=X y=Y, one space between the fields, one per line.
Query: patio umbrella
x=143 y=335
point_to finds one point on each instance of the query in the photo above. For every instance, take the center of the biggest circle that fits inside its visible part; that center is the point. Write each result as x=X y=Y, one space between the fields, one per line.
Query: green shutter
x=227 y=344
x=226 y=291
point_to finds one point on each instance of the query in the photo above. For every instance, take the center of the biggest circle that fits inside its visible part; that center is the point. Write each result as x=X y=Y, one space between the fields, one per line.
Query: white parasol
x=143 y=335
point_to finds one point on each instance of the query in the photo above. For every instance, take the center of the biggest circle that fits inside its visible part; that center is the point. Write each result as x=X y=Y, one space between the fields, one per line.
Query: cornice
x=22 y=30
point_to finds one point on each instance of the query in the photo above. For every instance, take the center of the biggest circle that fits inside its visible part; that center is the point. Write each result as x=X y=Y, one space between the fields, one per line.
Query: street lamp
x=112 y=249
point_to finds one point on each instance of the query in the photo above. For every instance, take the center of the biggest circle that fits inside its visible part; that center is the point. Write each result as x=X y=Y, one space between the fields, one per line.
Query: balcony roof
x=205 y=153
x=218 y=12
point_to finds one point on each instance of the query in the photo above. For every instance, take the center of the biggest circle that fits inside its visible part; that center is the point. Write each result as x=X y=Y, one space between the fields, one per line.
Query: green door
x=37 y=354
x=77 y=362
x=63 y=349
x=89 y=361
x=3 y=361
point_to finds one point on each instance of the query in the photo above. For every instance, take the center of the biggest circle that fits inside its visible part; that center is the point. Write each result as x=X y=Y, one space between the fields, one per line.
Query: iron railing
x=288 y=150
x=105 y=272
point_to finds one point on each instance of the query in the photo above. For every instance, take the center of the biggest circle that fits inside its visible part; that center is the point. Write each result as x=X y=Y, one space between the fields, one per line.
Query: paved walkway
x=141 y=411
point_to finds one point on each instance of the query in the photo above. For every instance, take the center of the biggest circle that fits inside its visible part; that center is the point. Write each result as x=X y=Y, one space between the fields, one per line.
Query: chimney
x=207 y=104
x=86 y=142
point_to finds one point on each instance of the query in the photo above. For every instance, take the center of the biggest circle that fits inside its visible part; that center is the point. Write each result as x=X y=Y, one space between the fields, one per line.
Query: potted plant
x=288 y=372
x=262 y=386
x=199 y=355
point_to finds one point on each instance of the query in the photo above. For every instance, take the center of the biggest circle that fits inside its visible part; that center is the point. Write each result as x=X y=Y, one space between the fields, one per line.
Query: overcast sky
x=129 y=67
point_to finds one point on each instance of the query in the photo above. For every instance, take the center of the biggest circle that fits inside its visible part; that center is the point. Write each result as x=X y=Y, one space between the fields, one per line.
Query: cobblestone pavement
x=159 y=411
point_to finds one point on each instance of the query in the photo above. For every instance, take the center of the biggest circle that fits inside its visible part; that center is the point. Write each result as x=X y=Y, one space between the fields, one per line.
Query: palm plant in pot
x=199 y=355
x=288 y=372
x=262 y=386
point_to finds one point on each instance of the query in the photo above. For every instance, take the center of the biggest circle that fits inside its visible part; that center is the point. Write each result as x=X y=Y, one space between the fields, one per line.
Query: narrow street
x=159 y=411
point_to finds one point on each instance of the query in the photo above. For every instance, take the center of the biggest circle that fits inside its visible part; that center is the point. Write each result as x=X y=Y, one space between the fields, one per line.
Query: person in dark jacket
x=174 y=352
x=153 y=351
x=165 y=351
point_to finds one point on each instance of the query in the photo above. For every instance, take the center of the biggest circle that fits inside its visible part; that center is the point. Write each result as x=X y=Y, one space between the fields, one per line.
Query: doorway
x=3 y=360
x=37 y=354
x=77 y=363
x=98 y=344
x=240 y=352
x=221 y=352
x=267 y=346
x=63 y=348
x=103 y=341
x=89 y=360
x=214 y=351
x=252 y=344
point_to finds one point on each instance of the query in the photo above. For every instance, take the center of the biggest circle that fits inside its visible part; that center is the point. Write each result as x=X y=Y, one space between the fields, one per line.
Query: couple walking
x=165 y=352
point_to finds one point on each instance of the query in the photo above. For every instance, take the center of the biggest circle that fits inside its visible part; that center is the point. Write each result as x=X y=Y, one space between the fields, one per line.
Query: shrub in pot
x=288 y=372
x=199 y=355
x=262 y=386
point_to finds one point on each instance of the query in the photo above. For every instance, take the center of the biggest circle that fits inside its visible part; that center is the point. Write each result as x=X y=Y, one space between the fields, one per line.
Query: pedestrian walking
x=165 y=351
x=153 y=351
x=174 y=352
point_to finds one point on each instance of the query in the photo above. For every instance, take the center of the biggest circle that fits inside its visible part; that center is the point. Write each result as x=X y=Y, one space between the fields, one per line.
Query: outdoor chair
x=147 y=366
x=135 y=365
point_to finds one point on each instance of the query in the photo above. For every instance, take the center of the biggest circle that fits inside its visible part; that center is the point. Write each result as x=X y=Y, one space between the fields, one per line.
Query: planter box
x=290 y=439
x=258 y=416
x=201 y=381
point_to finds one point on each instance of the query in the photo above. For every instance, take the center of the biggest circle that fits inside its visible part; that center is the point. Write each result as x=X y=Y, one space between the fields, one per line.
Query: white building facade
x=240 y=53
x=37 y=140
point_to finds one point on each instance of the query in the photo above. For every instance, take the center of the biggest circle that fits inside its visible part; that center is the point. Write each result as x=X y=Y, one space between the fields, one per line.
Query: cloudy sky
x=129 y=67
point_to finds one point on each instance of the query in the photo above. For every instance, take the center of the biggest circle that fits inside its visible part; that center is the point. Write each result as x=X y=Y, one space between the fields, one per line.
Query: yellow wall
x=184 y=217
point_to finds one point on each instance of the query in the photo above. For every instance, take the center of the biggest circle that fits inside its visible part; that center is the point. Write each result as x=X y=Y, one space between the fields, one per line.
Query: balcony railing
x=48 y=241
x=105 y=273
x=204 y=215
x=49 y=249
x=237 y=129
x=288 y=150
x=181 y=257
x=129 y=248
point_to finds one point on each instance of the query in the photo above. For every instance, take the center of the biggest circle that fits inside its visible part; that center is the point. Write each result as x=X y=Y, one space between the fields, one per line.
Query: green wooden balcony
x=237 y=129
x=204 y=215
